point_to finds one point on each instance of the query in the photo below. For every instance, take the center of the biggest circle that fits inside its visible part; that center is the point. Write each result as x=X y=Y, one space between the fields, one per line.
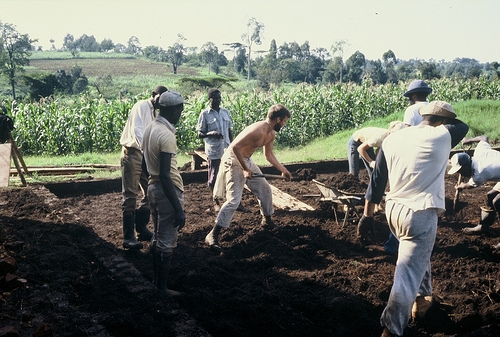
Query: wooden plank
x=201 y=154
x=5 y=151
x=198 y=158
x=67 y=170
x=284 y=200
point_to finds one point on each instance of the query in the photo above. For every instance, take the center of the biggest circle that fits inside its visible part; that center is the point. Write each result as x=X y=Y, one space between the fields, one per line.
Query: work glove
x=180 y=220
x=366 y=229
x=372 y=164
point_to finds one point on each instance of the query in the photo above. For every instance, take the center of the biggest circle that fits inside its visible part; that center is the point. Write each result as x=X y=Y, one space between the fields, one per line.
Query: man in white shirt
x=482 y=167
x=413 y=161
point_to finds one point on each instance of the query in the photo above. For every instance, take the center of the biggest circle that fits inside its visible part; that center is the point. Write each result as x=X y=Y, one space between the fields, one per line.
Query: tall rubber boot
x=212 y=238
x=491 y=195
x=495 y=202
x=141 y=224
x=129 y=240
x=161 y=267
x=487 y=219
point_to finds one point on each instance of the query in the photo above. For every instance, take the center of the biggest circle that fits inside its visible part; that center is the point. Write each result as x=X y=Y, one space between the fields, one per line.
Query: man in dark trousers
x=134 y=181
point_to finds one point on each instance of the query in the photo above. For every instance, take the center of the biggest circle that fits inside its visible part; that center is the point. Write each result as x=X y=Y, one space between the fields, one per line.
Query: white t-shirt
x=141 y=115
x=417 y=158
x=412 y=117
x=485 y=164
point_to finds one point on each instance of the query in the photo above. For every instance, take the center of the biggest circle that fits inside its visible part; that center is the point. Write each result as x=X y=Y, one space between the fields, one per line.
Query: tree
x=107 y=45
x=321 y=53
x=338 y=48
x=209 y=54
x=428 y=71
x=333 y=71
x=175 y=53
x=133 y=46
x=87 y=43
x=234 y=46
x=15 y=50
x=252 y=36
x=377 y=74
x=268 y=70
x=40 y=85
x=69 y=44
x=72 y=83
x=390 y=62
x=406 y=70
x=152 y=53
x=240 y=60
x=355 y=67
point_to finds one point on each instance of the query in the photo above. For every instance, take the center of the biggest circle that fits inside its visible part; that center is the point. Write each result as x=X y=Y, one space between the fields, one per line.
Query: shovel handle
x=457 y=192
x=268 y=176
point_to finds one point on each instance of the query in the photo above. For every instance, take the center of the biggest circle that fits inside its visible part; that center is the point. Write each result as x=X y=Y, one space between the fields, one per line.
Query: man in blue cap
x=417 y=93
x=483 y=166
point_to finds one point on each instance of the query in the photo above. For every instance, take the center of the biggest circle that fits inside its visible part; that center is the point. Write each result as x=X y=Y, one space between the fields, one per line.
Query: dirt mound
x=308 y=277
x=346 y=182
x=304 y=174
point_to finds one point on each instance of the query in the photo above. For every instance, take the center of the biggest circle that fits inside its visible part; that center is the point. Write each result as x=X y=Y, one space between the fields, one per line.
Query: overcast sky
x=423 y=29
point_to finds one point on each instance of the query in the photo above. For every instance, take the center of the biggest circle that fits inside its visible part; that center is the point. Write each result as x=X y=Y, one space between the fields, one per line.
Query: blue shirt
x=211 y=120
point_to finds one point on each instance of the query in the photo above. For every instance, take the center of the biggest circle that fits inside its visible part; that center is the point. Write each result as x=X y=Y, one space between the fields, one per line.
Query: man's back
x=416 y=159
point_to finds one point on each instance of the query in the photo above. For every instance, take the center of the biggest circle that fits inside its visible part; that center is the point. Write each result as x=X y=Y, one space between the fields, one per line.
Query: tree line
x=287 y=63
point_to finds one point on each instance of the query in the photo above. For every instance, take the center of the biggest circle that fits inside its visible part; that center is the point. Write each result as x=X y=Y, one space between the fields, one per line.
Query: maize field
x=87 y=123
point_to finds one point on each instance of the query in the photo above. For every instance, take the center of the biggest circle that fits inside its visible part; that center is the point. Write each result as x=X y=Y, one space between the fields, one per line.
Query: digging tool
x=457 y=192
x=268 y=176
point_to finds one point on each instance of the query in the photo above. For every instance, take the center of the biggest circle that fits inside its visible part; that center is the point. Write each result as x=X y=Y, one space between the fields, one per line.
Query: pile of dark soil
x=63 y=271
x=346 y=182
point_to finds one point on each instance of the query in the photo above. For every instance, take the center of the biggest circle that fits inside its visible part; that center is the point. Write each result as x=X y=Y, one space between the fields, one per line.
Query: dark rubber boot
x=491 y=195
x=129 y=240
x=161 y=267
x=267 y=221
x=212 y=238
x=141 y=224
x=242 y=208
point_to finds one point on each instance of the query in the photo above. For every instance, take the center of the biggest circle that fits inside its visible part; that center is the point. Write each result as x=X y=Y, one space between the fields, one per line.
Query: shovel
x=268 y=176
x=457 y=193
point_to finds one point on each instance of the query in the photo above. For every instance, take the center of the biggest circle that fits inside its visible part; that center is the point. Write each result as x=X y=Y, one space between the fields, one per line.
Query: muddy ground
x=64 y=272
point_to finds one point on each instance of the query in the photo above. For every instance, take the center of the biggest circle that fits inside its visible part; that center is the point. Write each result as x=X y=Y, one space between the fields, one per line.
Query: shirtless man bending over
x=237 y=169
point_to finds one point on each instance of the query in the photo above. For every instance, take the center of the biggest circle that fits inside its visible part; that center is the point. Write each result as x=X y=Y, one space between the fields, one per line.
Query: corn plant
x=86 y=123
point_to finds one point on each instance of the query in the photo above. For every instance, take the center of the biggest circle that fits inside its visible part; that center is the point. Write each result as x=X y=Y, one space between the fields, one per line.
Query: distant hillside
x=107 y=66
